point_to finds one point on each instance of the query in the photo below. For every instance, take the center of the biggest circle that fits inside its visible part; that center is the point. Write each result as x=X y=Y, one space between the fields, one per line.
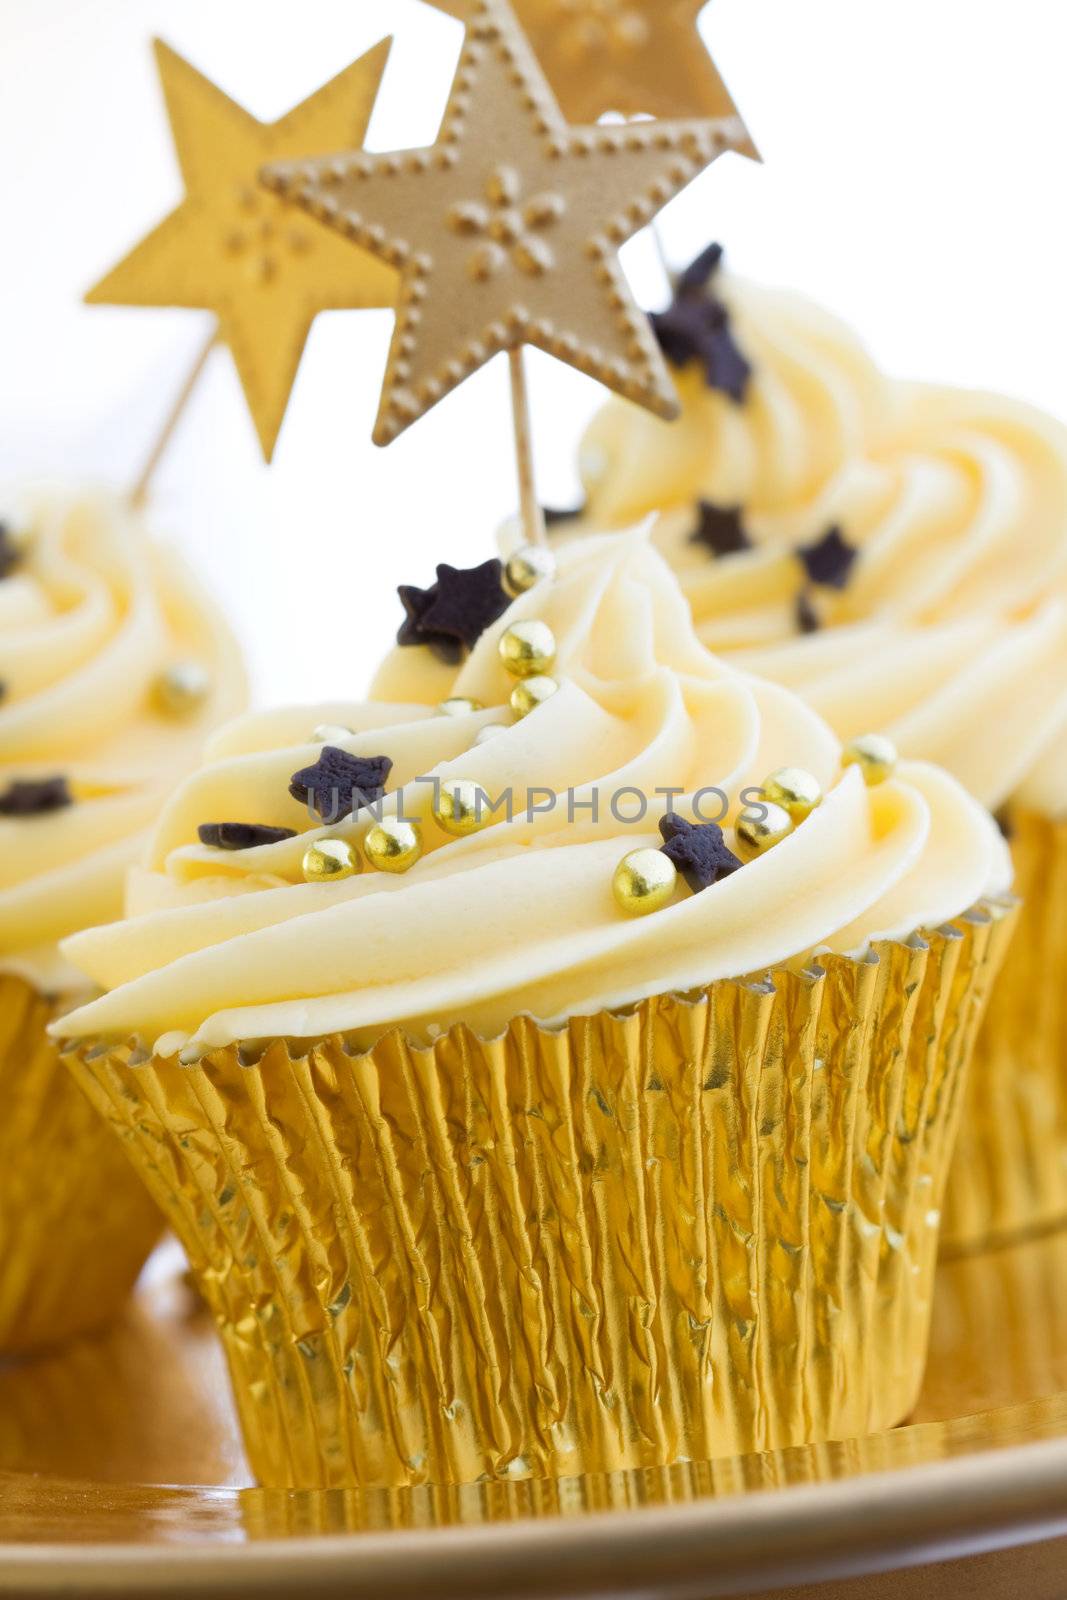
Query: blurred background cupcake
x=488 y=1155
x=897 y=554
x=113 y=667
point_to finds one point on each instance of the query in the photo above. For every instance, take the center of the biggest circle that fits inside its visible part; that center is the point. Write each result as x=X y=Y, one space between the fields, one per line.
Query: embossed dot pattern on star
x=635 y=57
x=507 y=231
x=509 y=228
x=265 y=268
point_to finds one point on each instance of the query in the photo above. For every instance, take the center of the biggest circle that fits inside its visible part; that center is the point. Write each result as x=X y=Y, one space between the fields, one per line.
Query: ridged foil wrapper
x=76 y=1225
x=702 y=1228
x=1010 y=1175
x=283 y=1514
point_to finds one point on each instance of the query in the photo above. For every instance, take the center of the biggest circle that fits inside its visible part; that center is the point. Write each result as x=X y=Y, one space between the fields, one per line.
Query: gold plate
x=121 y=1473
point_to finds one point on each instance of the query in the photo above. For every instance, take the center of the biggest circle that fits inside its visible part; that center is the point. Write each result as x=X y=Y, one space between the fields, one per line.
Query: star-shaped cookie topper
x=507 y=231
x=234 y=249
x=635 y=57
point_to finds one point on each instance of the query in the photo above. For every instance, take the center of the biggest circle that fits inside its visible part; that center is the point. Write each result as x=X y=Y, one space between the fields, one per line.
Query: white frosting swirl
x=520 y=918
x=90 y=616
x=951 y=635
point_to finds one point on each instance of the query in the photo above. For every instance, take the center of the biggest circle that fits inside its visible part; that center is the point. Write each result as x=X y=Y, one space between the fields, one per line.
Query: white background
x=913 y=180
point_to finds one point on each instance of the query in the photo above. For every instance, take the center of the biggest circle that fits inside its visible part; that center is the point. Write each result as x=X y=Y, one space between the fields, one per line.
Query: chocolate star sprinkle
x=721 y=530
x=10 y=554
x=699 y=273
x=696 y=327
x=339 y=784
x=829 y=560
x=451 y=616
x=241 y=835
x=698 y=850
x=556 y=516
x=807 y=616
x=35 y=797
x=699 y=330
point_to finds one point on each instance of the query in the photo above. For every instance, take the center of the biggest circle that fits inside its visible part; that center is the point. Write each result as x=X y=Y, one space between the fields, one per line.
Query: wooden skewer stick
x=533 y=517
x=140 y=491
x=661 y=251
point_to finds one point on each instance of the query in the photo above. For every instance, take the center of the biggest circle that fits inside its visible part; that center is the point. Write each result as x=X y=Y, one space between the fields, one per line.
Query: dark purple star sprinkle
x=829 y=561
x=451 y=616
x=695 y=278
x=35 y=797
x=241 y=835
x=807 y=616
x=339 y=784
x=696 y=327
x=558 y=516
x=698 y=850
x=10 y=554
x=699 y=330
x=721 y=530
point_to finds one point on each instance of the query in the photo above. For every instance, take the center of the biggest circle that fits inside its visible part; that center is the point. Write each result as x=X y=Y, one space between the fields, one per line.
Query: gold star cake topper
x=635 y=57
x=233 y=248
x=507 y=231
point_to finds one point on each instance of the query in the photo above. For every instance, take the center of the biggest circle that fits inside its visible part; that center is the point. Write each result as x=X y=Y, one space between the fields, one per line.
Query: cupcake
x=531 y=1098
x=113 y=666
x=897 y=554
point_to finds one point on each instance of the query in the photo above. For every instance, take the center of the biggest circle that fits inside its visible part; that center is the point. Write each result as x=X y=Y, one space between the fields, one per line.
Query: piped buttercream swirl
x=92 y=613
x=951 y=633
x=520 y=918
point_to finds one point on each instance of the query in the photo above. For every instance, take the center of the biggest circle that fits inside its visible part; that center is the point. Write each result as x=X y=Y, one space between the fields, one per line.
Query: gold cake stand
x=121 y=1472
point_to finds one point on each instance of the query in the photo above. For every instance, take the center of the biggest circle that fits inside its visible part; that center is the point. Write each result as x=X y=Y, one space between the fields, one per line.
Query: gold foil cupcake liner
x=76 y=1225
x=1010 y=1173
x=702 y=1228
x=275 y=1513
